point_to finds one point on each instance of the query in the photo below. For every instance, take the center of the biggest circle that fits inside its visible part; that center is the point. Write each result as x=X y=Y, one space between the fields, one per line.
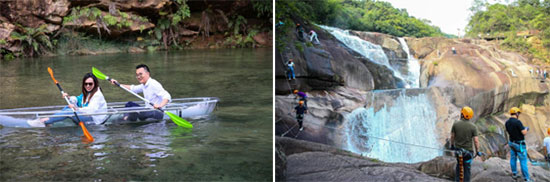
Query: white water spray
x=410 y=122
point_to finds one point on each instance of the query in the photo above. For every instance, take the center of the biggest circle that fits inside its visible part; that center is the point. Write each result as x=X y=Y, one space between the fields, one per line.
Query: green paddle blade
x=98 y=74
x=179 y=121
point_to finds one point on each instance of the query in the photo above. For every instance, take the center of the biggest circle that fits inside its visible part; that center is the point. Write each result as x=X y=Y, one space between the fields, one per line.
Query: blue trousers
x=291 y=73
x=66 y=110
x=142 y=115
x=519 y=151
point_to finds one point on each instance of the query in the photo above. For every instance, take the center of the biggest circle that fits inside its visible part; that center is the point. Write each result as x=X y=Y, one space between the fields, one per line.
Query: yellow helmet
x=295 y=91
x=301 y=102
x=514 y=110
x=467 y=112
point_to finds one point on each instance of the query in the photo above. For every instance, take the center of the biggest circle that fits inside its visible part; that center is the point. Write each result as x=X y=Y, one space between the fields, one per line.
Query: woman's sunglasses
x=89 y=84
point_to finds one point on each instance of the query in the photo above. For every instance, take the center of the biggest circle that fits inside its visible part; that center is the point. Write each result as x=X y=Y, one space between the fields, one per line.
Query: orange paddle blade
x=51 y=74
x=86 y=133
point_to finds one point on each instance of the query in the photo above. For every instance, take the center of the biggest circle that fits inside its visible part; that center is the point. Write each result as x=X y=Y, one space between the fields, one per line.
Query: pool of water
x=233 y=143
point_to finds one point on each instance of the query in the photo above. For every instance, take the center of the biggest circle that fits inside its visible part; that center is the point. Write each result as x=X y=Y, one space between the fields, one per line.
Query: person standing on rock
x=463 y=133
x=454 y=50
x=518 y=149
x=547 y=146
x=301 y=109
x=290 y=67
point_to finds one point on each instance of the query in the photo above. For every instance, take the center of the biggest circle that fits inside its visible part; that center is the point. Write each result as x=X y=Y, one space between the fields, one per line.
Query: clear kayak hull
x=195 y=107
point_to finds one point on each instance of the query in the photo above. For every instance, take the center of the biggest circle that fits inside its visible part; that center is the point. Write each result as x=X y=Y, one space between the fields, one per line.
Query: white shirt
x=152 y=91
x=547 y=144
x=96 y=105
x=290 y=64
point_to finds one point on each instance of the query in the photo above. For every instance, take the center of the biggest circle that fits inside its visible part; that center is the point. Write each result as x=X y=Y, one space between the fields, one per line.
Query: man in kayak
x=153 y=92
x=90 y=101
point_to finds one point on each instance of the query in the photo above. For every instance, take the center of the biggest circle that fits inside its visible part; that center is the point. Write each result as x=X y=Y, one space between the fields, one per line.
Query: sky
x=449 y=15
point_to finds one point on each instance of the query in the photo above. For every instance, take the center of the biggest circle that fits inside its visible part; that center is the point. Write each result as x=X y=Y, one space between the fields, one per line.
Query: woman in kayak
x=90 y=101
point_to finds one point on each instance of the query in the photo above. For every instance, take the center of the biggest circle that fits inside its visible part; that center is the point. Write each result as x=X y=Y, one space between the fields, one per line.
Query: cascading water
x=395 y=133
x=413 y=77
x=368 y=50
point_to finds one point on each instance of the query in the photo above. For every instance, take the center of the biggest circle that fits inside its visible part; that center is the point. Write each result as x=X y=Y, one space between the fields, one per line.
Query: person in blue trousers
x=290 y=65
x=518 y=149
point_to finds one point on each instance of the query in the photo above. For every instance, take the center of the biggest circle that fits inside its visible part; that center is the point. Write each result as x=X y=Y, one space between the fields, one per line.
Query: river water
x=234 y=143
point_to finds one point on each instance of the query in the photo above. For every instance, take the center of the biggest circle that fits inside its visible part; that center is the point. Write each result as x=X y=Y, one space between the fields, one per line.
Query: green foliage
x=299 y=46
x=238 y=24
x=34 y=40
x=367 y=15
x=262 y=7
x=492 y=129
x=94 y=14
x=499 y=20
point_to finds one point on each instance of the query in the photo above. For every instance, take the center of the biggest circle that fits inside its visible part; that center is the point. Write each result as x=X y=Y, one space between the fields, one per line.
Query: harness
x=517 y=148
x=461 y=153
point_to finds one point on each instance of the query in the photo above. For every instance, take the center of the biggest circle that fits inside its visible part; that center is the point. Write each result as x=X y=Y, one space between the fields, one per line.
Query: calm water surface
x=233 y=143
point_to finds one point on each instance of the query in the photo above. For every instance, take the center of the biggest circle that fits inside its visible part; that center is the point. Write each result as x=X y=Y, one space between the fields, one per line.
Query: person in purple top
x=301 y=96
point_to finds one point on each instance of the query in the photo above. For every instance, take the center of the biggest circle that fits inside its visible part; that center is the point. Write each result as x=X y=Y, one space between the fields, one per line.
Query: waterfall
x=368 y=50
x=413 y=76
x=395 y=133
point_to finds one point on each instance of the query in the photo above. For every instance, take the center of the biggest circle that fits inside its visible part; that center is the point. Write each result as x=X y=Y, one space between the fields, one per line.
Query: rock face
x=307 y=161
x=207 y=26
x=316 y=162
x=330 y=64
x=479 y=75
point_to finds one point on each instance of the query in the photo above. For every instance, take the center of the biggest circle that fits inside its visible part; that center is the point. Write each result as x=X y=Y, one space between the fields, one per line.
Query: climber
x=290 y=68
x=313 y=35
x=454 y=50
x=301 y=109
x=518 y=149
x=463 y=133
x=300 y=31
x=301 y=96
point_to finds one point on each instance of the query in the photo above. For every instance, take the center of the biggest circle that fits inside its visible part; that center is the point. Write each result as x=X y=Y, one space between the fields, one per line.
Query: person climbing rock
x=518 y=149
x=463 y=133
x=547 y=146
x=301 y=109
x=454 y=50
x=300 y=31
x=313 y=35
x=301 y=96
x=290 y=70
x=279 y=24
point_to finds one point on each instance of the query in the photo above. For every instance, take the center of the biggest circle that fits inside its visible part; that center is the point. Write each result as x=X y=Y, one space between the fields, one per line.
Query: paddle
x=176 y=119
x=84 y=130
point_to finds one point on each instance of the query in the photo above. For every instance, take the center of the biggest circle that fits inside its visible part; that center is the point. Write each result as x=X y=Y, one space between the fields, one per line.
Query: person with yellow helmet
x=518 y=149
x=463 y=133
x=547 y=145
x=301 y=109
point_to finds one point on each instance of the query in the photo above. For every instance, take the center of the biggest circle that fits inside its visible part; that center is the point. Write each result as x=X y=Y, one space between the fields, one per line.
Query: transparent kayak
x=195 y=107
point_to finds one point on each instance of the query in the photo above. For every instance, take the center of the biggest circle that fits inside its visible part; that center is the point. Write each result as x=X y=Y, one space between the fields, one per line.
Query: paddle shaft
x=66 y=99
x=140 y=97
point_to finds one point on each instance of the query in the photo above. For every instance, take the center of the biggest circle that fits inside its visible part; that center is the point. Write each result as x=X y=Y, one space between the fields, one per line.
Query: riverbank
x=47 y=28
